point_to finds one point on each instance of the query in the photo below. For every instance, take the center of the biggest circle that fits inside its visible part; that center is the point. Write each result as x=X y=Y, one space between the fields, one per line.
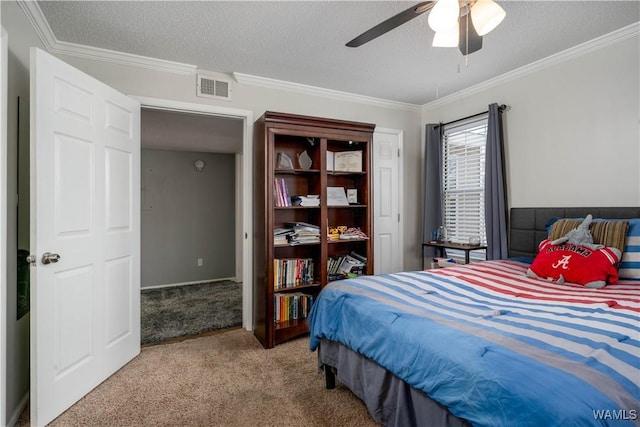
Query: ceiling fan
x=460 y=24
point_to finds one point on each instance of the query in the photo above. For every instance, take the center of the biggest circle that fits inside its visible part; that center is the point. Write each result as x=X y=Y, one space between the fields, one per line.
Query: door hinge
x=398 y=152
x=31 y=259
x=398 y=217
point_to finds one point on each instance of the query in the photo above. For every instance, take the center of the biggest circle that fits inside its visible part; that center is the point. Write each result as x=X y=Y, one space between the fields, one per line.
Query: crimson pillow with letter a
x=593 y=268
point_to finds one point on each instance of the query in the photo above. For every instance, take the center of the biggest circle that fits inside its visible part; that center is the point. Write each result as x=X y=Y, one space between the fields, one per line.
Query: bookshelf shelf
x=297 y=171
x=291 y=140
x=345 y=173
x=297 y=207
x=293 y=245
x=298 y=288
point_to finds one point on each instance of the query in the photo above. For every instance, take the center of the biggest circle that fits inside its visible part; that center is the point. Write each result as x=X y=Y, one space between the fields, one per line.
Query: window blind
x=463 y=170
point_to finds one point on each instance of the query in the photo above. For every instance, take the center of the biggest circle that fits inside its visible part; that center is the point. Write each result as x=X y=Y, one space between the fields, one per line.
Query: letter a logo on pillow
x=564 y=262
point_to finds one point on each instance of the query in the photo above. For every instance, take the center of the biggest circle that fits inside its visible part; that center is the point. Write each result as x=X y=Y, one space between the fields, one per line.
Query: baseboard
x=16 y=414
x=218 y=279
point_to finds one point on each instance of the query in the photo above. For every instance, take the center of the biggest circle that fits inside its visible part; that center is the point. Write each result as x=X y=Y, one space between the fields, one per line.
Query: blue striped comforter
x=493 y=346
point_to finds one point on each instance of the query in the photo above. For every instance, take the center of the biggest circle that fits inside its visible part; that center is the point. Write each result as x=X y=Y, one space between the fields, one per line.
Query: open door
x=85 y=234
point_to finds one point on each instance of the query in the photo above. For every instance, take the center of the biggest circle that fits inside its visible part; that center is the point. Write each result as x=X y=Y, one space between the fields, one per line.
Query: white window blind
x=463 y=170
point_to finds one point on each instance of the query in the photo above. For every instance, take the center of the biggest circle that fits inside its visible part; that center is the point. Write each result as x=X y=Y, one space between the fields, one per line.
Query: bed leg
x=330 y=377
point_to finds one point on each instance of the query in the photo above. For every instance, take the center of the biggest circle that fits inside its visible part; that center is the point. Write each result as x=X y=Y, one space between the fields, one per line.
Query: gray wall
x=187 y=215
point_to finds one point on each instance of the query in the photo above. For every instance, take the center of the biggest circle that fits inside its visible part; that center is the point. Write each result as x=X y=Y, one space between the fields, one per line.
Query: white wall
x=572 y=133
x=21 y=37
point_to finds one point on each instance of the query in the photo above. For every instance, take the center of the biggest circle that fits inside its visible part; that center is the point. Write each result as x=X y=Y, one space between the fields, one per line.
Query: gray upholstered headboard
x=527 y=226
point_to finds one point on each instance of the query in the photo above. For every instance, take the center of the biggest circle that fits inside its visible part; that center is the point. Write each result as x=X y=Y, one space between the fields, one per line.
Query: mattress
x=493 y=346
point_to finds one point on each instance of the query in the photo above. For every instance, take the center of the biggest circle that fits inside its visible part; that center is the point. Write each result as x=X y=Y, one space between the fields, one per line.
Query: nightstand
x=442 y=246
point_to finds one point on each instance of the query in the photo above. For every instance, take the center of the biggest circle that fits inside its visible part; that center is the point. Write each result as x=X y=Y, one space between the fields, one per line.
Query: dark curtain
x=432 y=205
x=495 y=190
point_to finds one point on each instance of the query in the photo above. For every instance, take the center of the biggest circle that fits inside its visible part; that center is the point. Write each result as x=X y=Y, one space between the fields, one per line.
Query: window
x=463 y=166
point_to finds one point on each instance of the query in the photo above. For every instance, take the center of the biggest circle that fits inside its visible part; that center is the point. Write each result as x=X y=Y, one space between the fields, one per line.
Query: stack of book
x=281 y=194
x=289 y=273
x=280 y=235
x=291 y=306
x=308 y=200
x=303 y=233
x=350 y=265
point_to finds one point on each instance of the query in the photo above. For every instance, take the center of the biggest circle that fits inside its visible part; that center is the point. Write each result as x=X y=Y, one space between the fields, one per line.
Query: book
x=291 y=306
x=281 y=194
x=350 y=264
x=301 y=224
x=292 y=272
x=281 y=231
x=359 y=257
x=311 y=200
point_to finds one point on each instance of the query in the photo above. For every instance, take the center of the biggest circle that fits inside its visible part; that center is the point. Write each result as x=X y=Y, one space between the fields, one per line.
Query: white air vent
x=213 y=88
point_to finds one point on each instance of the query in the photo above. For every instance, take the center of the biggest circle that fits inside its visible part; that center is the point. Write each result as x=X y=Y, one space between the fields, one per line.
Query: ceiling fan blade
x=469 y=41
x=391 y=23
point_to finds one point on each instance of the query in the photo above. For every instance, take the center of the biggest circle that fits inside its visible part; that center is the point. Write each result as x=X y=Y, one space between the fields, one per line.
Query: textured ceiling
x=303 y=42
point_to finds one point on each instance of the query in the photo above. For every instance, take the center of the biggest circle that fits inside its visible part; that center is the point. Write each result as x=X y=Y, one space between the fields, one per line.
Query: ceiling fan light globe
x=486 y=15
x=444 y=15
x=448 y=38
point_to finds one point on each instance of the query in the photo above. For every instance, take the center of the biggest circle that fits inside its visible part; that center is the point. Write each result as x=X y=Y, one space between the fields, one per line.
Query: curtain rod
x=501 y=108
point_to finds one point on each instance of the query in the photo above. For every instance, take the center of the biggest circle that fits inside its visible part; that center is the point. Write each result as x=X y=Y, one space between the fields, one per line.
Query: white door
x=387 y=197
x=85 y=207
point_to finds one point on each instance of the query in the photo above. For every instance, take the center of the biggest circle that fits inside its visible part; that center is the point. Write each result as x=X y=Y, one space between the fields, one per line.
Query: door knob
x=48 y=258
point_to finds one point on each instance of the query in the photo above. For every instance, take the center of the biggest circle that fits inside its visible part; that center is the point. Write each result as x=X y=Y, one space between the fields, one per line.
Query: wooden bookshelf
x=277 y=133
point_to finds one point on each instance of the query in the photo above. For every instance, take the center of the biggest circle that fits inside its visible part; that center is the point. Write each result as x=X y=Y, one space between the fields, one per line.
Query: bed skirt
x=390 y=401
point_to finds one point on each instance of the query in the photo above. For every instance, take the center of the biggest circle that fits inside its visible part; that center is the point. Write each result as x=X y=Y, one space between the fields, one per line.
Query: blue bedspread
x=495 y=347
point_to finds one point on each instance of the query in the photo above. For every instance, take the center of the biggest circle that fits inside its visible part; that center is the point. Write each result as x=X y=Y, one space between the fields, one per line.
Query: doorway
x=230 y=123
x=194 y=128
x=188 y=224
x=387 y=209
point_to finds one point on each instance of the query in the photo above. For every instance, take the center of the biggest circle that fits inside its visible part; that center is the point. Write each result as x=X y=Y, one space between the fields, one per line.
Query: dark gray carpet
x=180 y=311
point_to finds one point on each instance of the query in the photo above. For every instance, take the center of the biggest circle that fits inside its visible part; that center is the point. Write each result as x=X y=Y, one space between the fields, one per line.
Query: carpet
x=180 y=311
x=221 y=380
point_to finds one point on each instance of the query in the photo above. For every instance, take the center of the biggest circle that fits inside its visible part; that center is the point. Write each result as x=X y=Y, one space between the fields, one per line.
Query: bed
x=484 y=344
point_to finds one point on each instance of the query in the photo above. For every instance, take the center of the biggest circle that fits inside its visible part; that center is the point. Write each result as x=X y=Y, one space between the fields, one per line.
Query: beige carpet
x=225 y=379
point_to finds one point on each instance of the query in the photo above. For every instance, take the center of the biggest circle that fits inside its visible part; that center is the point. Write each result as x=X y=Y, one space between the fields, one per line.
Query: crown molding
x=322 y=92
x=41 y=26
x=52 y=45
x=614 y=37
x=123 y=58
x=38 y=22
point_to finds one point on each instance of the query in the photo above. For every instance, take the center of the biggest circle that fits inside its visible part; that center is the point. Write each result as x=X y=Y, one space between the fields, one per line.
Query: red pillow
x=583 y=265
